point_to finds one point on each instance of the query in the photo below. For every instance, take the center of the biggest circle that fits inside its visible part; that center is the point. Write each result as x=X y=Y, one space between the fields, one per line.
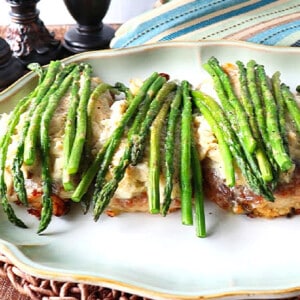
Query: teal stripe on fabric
x=216 y=19
x=152 y=25
x=175 y=17
x=274 y=35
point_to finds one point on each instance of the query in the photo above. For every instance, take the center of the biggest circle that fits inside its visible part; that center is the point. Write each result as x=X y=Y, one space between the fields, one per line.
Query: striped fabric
x=266 y=22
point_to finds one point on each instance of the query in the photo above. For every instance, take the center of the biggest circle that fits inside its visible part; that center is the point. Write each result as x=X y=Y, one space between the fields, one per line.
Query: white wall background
x=54 y=12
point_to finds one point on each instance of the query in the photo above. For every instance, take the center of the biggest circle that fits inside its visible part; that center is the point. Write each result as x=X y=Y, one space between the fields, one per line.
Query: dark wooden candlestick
x=90 y=33
x=10 y=67
x=27 y=35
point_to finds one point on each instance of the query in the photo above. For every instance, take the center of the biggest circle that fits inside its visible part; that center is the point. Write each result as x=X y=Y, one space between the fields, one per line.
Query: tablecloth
x=266 y=22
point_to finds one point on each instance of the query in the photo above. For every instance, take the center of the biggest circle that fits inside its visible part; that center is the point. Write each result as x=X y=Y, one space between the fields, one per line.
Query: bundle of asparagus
x=256 y=123
x=157 y=128
x=31 y=118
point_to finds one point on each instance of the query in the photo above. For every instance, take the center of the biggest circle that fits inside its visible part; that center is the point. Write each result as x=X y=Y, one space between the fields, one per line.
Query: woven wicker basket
x=44 y=289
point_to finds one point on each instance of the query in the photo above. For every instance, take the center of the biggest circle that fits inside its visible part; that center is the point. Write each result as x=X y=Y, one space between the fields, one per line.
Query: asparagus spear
x=99 y=90
x=255 y=95
x=37 y=68
x=103 y=197
x=245 y=98
x=35 y=112
x=291 y=104
x=18 y=178
x=54 y=99
x=185 y=157
x=115 y=142
x=91 y=172
x=281 y=108
x=154 y=159
x=250 y=165
x=275 y=139
x=123 y=88
x=216 y=118
x=108 y=190
x=81 y=124
x=198 y=193
x=169 y=149
x=224 y=133
x=5 y=141
x=260 y=154
x=237 y=114
x=70 y=130
x=19 y=181
x=8 y=208
x=139 y=143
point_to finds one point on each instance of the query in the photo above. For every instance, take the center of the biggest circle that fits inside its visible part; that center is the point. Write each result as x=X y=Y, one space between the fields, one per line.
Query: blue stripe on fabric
x=216 y=19
x=152 y=24
x=274 y=35
x=175 y=17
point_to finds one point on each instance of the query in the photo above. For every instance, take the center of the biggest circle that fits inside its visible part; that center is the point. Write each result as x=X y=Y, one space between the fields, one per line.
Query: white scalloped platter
x=149 y=255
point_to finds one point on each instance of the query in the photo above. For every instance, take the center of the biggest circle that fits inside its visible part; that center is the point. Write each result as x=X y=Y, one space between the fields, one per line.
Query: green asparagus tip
x=264 y=166
x=154 y=211
x=286 y=165
x=21 y=224
x=40 y=229
x=97 y=215
x=201 y=233
x=18 y=222
x=35 y=67
x=164 y=211
x=187 y=222
x=28 y=160
x=75 y=198
x=72 y=170
x=69 y=186
x=11 y=214
x=121 y=87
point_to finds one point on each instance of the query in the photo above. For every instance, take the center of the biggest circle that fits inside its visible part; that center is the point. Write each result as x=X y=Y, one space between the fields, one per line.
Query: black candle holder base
x=10 y=67
x=42 y=58
x=27 y=35
x=80 y=39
